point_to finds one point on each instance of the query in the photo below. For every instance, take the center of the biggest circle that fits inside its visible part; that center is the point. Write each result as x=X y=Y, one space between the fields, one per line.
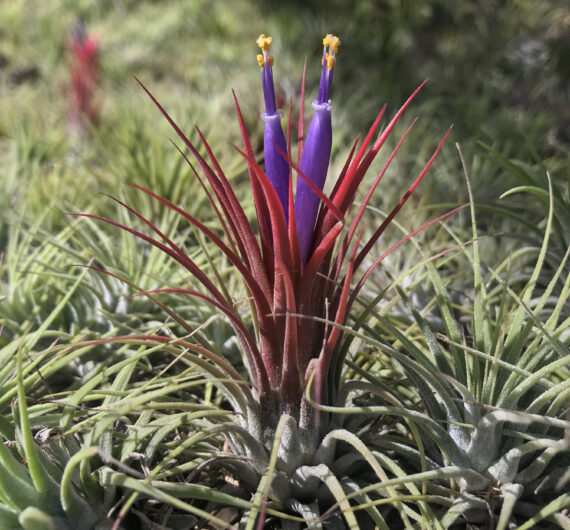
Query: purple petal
x=276 y=165
x=268 y=88
x=314 y=165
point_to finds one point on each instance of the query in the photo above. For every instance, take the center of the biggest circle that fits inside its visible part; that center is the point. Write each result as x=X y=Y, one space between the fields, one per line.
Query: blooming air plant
x=83 y=108
x=303 y=262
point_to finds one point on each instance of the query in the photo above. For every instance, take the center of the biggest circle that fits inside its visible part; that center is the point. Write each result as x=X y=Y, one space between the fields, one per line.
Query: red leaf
x=252 y=352
x=260 y=207
x=394 y=247
x=292 y=365
x=348 y=188
x=189 y=329
x=246 y=231
x=341 y=312
x=184 y=260
x=342 y=186
x=398 y=206
x=261 y=298
x=354 y=224
x=226 y=227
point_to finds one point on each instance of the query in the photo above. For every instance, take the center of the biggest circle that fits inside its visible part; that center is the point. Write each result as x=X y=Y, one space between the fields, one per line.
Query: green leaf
x=8 y=518
x=33 y=518
x=16 y=488
x=557 y=505
x=38 y=474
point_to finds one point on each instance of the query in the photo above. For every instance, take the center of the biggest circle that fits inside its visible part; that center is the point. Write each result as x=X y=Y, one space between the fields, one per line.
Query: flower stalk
x=316 y=153
x=274 y=144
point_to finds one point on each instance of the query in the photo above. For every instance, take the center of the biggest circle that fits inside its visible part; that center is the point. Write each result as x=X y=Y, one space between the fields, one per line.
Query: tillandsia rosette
x=303 y=262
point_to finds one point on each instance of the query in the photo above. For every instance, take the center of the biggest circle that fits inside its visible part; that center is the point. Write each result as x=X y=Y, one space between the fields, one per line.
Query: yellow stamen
x=331 y=41
x=334 y=43
x=330 y=62
x=264 y=42
x=331 y=44
x=261 y=60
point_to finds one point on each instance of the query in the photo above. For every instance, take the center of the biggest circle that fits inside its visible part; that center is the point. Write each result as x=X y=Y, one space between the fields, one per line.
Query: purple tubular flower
x=314 y=165
x=274 y=144
x=316 y=153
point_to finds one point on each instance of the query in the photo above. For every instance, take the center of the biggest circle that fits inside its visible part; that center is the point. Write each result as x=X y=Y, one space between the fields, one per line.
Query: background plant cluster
x=92 y=422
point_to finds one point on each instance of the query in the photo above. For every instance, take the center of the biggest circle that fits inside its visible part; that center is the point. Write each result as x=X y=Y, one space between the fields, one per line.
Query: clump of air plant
x=496 y=427
x=303 y=263
x=83 y=108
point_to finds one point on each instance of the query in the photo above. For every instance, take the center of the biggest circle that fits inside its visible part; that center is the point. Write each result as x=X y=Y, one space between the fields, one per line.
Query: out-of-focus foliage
x=498 y=70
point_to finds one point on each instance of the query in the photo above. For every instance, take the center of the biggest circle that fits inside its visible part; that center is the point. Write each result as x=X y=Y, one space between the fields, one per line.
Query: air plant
x=496 y=435
x=83 y=109
x=39 y=484
x=303 y=261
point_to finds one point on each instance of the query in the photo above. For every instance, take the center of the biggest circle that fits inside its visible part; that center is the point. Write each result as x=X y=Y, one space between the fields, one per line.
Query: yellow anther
x=334 y=43
x=264 y=42
x=330 y=62
x=261 y=60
